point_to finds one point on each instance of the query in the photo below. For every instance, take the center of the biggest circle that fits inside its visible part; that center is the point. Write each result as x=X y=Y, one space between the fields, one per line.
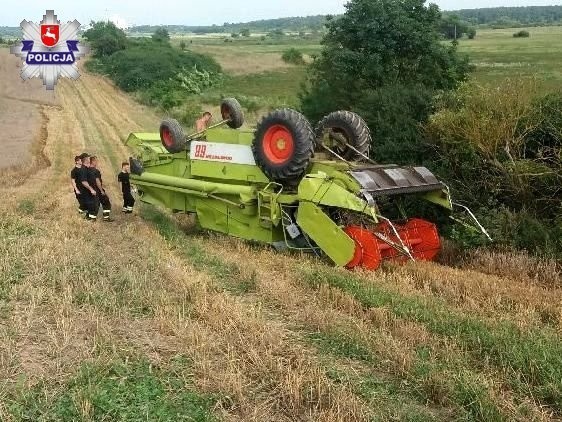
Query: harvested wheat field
x=150 y=319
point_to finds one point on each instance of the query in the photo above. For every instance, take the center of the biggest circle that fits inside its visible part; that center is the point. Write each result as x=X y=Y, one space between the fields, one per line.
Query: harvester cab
x=291 y=186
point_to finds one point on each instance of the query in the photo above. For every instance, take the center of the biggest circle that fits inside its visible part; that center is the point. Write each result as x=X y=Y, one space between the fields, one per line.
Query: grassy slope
x=89 y=313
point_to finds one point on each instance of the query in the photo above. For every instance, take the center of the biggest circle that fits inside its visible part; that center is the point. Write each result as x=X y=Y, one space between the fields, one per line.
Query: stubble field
x=148 y=318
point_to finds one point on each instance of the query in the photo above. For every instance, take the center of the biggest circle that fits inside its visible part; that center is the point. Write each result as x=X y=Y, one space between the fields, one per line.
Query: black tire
x=353 y=129
x=172 y=136
x=231 y=110
x=136 y=166
x=286 y=164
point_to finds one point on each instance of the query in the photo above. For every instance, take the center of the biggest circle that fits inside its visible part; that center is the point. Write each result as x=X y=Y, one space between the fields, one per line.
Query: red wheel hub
x=278 y=144
x=167 y=137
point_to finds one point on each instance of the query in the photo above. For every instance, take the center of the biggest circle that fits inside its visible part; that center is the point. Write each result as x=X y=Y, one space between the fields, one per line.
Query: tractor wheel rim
x=167 y=137
x=278 y=144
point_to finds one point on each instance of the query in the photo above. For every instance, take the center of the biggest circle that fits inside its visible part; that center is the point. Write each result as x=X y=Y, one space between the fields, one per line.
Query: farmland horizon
x=126 y=16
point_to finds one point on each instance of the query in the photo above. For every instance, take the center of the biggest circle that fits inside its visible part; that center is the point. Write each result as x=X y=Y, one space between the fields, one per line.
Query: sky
x=202 y=12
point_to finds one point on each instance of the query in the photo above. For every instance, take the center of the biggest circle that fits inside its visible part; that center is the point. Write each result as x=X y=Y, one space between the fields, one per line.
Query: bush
x=471 y=33
x=293 y=56
x=188 y=113
x=161 y=35
x=141 y=67
x=501 y=151
x=521 y=34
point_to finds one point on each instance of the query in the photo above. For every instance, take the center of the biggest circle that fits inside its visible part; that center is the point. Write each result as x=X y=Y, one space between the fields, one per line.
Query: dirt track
x=21 y=112
x=74 y=292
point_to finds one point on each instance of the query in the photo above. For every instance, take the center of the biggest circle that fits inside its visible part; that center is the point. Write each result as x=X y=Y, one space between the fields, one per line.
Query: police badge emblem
x=50 y=50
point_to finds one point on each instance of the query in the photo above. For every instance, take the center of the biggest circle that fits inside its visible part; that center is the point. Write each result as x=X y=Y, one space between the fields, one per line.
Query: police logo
x=50 y=50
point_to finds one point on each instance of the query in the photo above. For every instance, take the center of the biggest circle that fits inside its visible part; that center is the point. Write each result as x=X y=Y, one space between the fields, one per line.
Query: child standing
x=123 y=178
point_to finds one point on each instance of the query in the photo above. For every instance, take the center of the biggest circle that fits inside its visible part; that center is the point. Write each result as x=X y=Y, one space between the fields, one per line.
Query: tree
x=161 y=35
x=293 y=56
x=182 y=45
x=452 y=27
x=384 y=59
x=471 y=33
x=235 y=35
x=105 y=38
x=245 y=32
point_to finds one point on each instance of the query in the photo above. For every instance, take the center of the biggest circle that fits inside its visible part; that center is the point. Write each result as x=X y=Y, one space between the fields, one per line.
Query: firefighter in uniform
x=101 y=194
x=75 y=185
x=87 y=192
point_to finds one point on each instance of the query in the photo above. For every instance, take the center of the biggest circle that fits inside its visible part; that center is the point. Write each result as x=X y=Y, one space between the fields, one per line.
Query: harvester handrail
x=471 y=214
x=400 y=248
x=195 y=135
x=334 y=153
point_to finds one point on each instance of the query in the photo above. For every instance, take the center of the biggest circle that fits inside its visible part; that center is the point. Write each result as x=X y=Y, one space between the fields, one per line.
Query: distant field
x=256 y=70
x=497 y=54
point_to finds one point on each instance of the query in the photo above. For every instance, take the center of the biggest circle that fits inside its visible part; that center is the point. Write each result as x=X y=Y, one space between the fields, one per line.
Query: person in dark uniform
x=101 y=194
x=87 y=192
x=123 y=178
x=76 y=189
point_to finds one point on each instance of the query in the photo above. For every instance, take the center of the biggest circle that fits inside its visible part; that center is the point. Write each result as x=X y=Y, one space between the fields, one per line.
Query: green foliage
x=182 y=45
x=521 y=34
x=530 y=358
x=501 y=151
x=471 y=33
x=384 y=59
x=276 y=33
x=162 y=75
x=188 y=113
x=235 y=35
x=451 y=27
x=124 y=391
x=510 y=17
x=1 y=40
x=105 y=38
x=141 y=67
x=293 y=56
x=245 y=32
x=291 y=24
x=161 y=35
x=194 y=81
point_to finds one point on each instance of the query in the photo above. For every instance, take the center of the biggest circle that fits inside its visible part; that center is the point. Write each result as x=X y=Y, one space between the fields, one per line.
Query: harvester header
x=291 y=186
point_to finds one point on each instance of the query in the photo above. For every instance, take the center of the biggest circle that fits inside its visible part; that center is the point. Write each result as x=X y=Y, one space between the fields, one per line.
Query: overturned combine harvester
x=290 y=186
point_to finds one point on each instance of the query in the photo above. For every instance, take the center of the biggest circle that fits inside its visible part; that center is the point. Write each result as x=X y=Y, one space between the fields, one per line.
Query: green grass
x=498 y=55
x=530 y=359
x=121 y=390
x=458 y=386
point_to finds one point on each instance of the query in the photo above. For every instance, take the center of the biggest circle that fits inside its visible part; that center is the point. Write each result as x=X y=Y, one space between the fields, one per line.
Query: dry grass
x=266 y=338
x=77 y=292
x=240 y=61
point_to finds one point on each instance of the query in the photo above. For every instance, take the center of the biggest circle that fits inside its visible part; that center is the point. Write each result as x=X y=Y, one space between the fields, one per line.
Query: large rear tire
x=283 y=146
x=342 y=127
x=172 y=136
x=231 y=110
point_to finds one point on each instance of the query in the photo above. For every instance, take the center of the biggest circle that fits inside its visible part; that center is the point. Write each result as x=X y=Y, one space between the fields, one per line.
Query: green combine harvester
x=290 y=186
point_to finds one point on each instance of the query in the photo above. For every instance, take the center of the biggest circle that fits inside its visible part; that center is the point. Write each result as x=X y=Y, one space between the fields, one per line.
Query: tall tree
x=384 y=59
x=105 y=38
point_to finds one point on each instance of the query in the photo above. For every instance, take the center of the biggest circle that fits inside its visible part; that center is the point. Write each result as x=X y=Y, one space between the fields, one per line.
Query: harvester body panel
x=217 y=179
